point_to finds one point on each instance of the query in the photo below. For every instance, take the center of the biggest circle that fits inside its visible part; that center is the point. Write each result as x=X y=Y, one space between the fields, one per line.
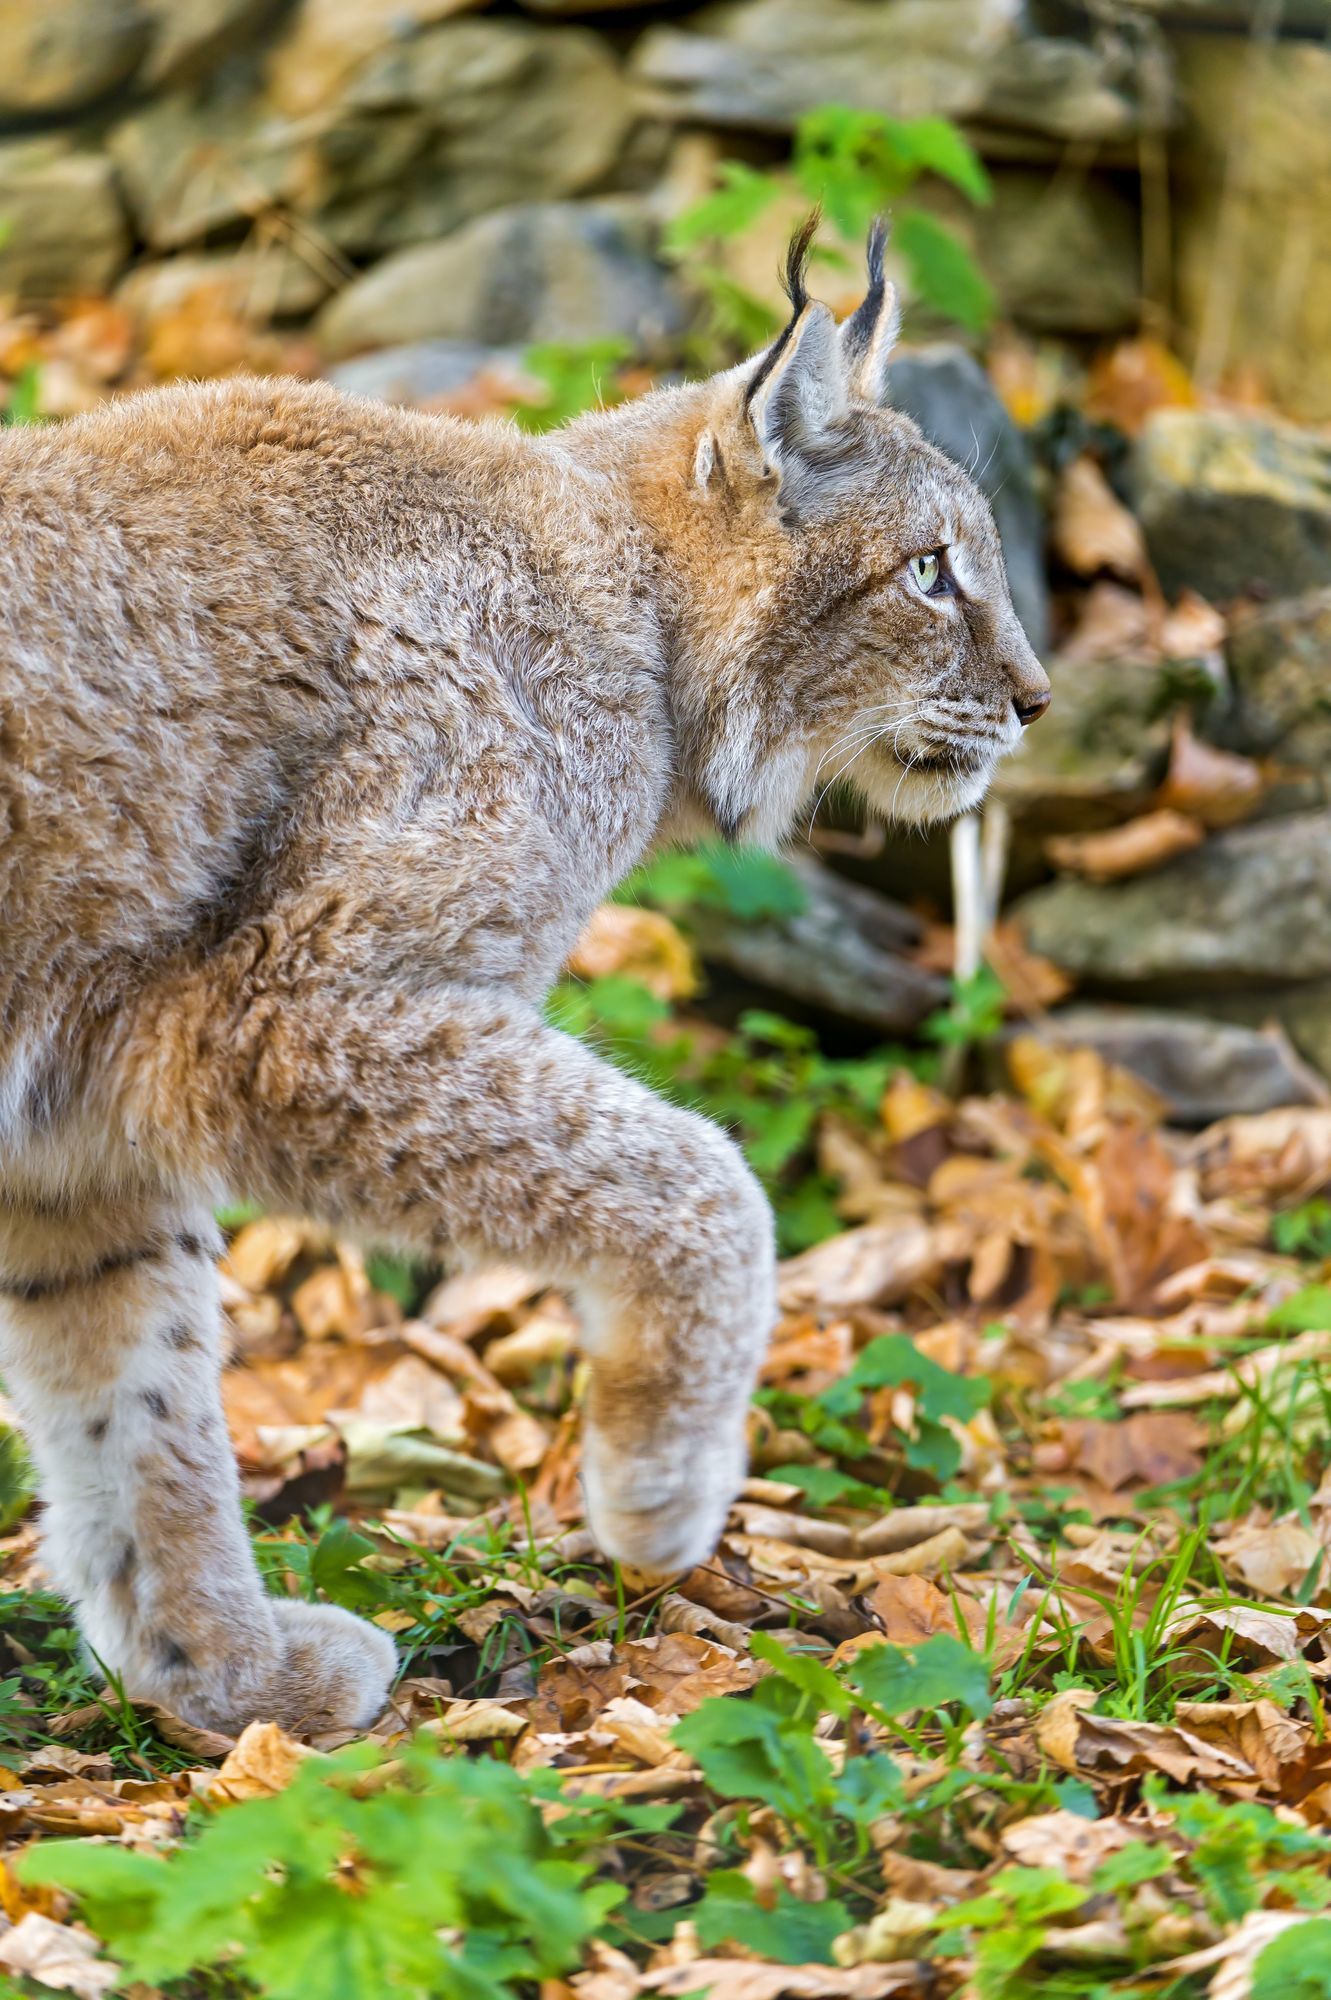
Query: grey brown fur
x=323 y=727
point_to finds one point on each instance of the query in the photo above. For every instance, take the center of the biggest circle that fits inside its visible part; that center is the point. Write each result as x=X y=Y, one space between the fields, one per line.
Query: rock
x=558 y=271
x=466 y=117
x=1098 y=755
x=264 y=282
x=424 y=370
x=1253 y=227
x=191 y=36
x=843 y=953
x=952 y=400
x=192 y=165
x=1233 y=504
x=584 y=6
x=1252 y=907
x=64 y=54
x=1279 y=658
x=763 y=63
x=1294 y=17
x=1063 y=253
x=326 y=41
x=1203 y=1069
x=65 y=230
x=409 y=135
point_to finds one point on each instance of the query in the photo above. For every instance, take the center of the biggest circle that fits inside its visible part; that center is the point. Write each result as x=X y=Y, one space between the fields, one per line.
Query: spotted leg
x=109 y=1343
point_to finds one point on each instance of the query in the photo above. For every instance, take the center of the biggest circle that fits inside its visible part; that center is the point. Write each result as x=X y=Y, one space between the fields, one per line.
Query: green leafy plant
x=1304 y=1231
x=575 y=376
x=742 y=882
x=1296 y=1965
x=856 y=165
x=447 y=1886
x=17 y=1481
x=25 y=396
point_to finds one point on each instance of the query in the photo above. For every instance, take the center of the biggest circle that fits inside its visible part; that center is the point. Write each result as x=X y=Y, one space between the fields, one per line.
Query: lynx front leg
x=109 y=1333
x=463 y=1123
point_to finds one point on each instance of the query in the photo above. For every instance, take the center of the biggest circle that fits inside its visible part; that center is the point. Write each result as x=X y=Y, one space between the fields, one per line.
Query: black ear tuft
x=858 y=331
x=794 y=283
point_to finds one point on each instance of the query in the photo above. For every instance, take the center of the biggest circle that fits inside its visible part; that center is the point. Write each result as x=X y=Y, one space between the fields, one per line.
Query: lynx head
x=848 y=615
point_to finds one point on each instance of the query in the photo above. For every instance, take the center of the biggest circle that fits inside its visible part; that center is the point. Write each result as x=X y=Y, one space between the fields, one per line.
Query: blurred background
x=1112 y=228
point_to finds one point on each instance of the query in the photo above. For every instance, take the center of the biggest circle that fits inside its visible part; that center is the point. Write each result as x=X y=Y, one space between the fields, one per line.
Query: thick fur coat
x=323 y=727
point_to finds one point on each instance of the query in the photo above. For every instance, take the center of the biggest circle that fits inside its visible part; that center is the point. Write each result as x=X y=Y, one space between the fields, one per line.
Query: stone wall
x=1146 y=148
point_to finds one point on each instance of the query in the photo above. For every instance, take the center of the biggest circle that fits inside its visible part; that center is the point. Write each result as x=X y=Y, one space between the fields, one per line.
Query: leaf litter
x=1011 y=1666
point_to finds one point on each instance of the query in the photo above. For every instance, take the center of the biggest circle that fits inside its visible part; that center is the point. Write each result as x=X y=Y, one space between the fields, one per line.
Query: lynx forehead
x=323 y=727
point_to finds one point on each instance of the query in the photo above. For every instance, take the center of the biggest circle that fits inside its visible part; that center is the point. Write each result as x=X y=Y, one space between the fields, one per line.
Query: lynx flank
x=323 y=727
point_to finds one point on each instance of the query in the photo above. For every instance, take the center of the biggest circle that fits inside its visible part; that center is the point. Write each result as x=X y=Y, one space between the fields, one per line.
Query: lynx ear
x=870 y=334
x=798 y=393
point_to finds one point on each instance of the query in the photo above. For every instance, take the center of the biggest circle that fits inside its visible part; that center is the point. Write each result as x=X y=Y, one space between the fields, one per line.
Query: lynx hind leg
x=109 y=1343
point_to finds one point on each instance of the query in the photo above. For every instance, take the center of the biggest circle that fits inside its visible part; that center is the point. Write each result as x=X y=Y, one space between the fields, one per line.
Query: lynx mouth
x=957 y=761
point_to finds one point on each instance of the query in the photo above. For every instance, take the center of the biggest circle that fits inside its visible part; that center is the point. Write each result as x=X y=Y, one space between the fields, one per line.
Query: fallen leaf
x=263 y=1763
x=1150 y=1448
x=638 y=944
x=58 y=1956
x=1133 y=848
x=1092 y=529
x=1214 y=786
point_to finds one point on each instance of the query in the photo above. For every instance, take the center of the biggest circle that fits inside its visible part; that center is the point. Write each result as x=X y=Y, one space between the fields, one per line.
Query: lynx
x=323 y=727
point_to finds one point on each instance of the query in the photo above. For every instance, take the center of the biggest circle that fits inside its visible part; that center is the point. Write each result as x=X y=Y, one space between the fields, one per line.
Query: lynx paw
x=664 y=1523
x=335 y=1670
x=313 y=1669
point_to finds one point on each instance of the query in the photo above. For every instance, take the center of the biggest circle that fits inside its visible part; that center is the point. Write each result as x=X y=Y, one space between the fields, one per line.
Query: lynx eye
x=928 y=572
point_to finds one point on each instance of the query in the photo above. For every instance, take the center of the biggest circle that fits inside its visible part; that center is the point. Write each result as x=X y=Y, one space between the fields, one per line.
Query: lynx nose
x=1031 y=710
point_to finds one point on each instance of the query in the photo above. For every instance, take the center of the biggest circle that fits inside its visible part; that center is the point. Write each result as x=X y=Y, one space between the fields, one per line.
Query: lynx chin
x=323 y=728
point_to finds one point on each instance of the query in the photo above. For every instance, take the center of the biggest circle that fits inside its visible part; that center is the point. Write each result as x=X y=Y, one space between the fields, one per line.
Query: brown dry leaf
x=1113 y=623
x=1077 y=1740
x=261 y=1253
x=263 y=1763
x=323 y=1376
x=875 y=1265
x=1257 y=1634
x=1067 y=1841
x=413 y=1393
x=1135 y=378
x=547 y=1336
x=204 y=336
x=1092 y=529
x=1256 y=1731
x=1130 y=849
x=1272 y=1559
x=1214 y=786
x=465 y=1303
x=636 y=944
x=1127 y=1191
x=891 y=1934
x=338 y=1300
x=1149 y=1448
x=911 y=1608
x=743 y=1979
x=478 y=1722
x=1031 y=982
x=1076 y=1090
x=1236 y=1955
x=53 y=1760
x=1278 y=1155
x=58 y=1956
x=1192 y=629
